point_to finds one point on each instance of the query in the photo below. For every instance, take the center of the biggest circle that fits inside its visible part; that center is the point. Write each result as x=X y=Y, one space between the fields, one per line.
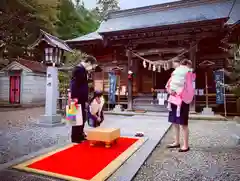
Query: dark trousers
x=77 y=134
x=92 y=120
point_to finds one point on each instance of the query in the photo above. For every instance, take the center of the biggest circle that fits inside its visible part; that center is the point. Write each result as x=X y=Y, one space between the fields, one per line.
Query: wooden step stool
x=105 y=135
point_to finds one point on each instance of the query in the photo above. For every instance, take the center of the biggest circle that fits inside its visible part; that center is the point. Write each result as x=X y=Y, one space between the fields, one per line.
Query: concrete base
x=118 y=108
x=50 y=121
x=237 y=119
x=207 y=111
x=237 y=138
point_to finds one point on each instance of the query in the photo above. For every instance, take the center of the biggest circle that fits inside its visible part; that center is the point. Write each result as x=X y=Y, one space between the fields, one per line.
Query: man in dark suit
x=79 y=91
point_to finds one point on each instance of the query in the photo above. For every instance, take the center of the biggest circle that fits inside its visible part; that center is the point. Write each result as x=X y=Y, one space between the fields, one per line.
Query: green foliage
x=106 y=6
x=64 y=82
x=74 y=58
x=74 y=21
x=20 y=23
x=234 y=73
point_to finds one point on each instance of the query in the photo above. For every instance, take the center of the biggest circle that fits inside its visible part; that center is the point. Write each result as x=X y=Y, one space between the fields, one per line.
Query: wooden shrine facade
x=198 y=40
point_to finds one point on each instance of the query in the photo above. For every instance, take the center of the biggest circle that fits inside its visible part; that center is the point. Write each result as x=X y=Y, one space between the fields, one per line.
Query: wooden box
x=106 y=135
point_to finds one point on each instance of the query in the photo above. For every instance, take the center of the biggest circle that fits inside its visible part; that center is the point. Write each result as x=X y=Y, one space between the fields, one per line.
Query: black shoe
x=173 y=146
x=184 y=150
x=79 y=139
x=139 y=134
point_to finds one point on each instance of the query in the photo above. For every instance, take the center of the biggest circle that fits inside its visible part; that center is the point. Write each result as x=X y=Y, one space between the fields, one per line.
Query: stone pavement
x=193 y=116
x=214 y=156
x=19 y=134
x=21 y=137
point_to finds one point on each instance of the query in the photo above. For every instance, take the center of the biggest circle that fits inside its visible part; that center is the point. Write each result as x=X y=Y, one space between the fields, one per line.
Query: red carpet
x=83 y=161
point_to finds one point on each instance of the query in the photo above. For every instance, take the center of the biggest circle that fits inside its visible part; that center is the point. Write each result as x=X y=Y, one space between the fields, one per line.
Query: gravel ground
x=214 y=156
x=214 y=153
x=19 y=134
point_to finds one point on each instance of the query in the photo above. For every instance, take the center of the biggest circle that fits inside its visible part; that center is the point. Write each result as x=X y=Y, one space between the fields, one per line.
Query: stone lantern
x=53 y=49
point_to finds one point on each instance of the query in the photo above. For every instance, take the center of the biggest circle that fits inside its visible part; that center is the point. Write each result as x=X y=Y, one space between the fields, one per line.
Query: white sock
x=169 y=106
x=178 y=111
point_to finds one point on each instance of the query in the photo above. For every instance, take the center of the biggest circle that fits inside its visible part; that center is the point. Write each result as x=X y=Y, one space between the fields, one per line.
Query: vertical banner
x=219 y=79
x=112 y=87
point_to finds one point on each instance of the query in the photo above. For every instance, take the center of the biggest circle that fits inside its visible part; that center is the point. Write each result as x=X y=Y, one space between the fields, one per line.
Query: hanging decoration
x=144 y=64
x=149 y=66
x=166 y=64
x=154 y=68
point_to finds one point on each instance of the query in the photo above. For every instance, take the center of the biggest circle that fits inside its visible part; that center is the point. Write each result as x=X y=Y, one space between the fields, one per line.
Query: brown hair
x=90 y=59
x=186 y=62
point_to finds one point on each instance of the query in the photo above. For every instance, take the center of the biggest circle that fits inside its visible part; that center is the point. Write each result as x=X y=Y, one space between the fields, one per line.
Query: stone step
x=143 y=99
x=149 y=107
x=147 y=102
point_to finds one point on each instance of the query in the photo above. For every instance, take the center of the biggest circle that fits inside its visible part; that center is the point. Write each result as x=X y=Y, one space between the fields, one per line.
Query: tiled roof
x=235 y=13
x=178 y=12
x=32 y=65
x=52 y=40
x=166 y=14
x=87 y=37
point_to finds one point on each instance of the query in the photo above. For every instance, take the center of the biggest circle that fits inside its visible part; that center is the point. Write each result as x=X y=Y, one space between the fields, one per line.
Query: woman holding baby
x=181 y=92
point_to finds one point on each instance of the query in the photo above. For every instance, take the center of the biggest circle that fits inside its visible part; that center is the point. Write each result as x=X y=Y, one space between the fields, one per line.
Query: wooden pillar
x=206 y=87
x=130 y=83
x=193 y=59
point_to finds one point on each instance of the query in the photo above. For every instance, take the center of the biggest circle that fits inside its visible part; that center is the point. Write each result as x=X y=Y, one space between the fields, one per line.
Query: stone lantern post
x=53 y=50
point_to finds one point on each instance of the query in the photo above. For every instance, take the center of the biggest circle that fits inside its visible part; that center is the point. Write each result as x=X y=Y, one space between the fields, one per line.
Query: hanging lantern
x=154 y=68
x=144 y=64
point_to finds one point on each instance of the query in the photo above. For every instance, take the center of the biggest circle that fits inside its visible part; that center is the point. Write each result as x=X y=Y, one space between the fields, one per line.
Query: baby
x=179 y=75
x=177 y=83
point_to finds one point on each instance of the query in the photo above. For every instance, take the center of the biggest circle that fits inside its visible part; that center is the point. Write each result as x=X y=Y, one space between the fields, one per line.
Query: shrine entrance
x=148 y=79
x=160 y=78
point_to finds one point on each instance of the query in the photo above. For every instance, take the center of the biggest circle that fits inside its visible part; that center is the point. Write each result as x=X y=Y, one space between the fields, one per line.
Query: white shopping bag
x=79 y=117
x=161 y=101
x=165 y=96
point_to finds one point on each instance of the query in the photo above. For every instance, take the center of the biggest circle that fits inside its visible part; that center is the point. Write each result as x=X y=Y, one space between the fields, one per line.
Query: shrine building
x=145 y=40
